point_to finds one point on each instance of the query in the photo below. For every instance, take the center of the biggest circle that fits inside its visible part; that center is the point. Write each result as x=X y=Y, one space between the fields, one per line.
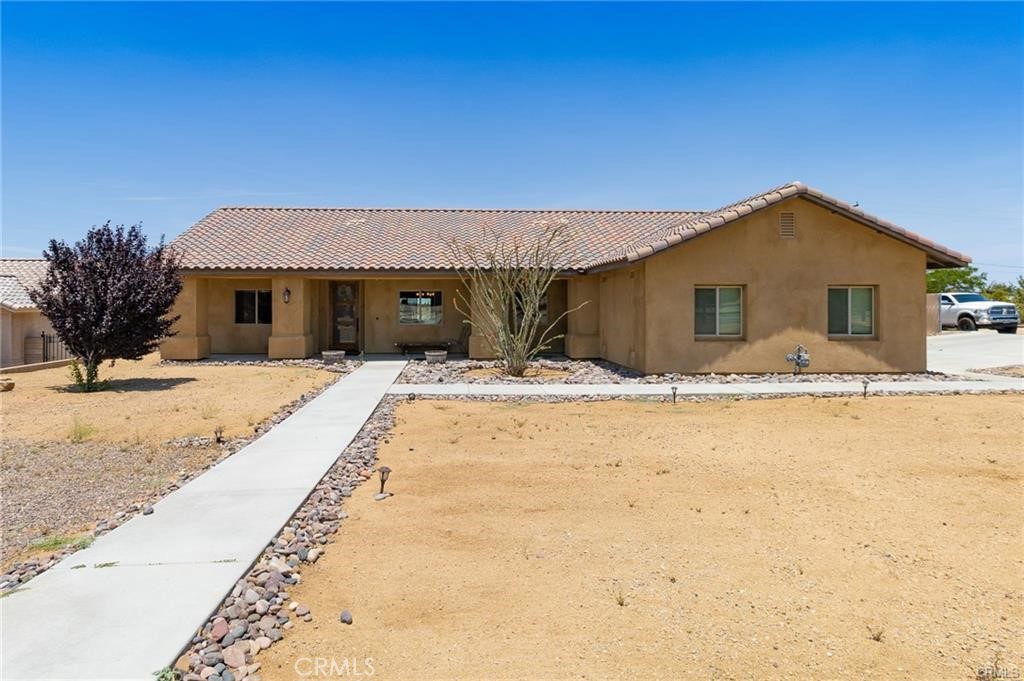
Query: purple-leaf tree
x=108 y=296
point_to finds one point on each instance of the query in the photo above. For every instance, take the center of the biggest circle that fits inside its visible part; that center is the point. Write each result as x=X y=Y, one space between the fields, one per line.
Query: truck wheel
x=966 y=324
x=1007 y=329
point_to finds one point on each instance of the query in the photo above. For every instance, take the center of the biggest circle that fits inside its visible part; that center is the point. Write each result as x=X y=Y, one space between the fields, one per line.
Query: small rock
x=251 y=596
x=302 y=610
x=346 y=617
x=262 y=606
x=147 y=509
x=263 y=642
x=219 y=629
x=234 y=656
x=380 y=496
x=227 y=676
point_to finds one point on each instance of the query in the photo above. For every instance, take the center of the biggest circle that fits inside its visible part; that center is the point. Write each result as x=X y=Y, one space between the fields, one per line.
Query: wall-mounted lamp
x=286 y=295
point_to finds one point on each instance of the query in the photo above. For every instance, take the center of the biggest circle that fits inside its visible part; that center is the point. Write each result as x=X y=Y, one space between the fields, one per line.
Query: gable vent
x=787 y=225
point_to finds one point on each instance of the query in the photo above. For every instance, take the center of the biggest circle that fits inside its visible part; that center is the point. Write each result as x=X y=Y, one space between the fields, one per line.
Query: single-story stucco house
x=729 y=290
x=22 y=325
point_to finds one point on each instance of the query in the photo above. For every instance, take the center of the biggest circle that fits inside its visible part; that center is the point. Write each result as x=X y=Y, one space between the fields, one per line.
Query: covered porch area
x=299 y=316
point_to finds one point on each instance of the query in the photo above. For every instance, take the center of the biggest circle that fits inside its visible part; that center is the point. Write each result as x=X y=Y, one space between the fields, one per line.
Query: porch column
x=192 y=338
x=291 y=333
x=583 y=337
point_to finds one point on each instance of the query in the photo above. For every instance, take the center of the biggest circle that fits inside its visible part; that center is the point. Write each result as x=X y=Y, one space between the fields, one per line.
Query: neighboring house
x=22 y=325
x=730 y=290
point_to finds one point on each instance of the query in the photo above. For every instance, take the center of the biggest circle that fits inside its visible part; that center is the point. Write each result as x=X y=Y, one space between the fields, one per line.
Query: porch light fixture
x=286 y=295
x=384 y=473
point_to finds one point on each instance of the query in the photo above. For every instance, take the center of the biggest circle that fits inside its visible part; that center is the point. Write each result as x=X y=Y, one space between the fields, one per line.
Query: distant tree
x=108 y=297
x=1018 y=294
x=956 y=279
x=999 y=291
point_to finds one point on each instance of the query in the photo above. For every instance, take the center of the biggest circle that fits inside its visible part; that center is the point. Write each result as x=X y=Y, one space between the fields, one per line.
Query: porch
x=290 y=317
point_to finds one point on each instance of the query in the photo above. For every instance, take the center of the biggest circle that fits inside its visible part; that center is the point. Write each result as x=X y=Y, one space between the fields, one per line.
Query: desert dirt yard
x=68 y=458
x=717 y=540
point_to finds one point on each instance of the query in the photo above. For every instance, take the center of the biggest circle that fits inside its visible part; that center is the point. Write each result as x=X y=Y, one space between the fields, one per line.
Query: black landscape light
x=384 y=473
x=674 y=391
x=865 y=382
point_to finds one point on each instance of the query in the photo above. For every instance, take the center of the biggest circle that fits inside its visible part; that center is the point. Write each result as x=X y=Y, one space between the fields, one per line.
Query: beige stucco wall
x=225 y=335
x=623 y=316
x=785 y=296
x=15 y=327
x=380 y=327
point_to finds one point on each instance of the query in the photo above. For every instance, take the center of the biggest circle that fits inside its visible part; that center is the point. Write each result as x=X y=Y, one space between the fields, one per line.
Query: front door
x=345 y=315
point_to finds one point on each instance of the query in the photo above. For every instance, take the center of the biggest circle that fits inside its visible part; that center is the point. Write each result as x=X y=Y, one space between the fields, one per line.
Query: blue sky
x=161 y=112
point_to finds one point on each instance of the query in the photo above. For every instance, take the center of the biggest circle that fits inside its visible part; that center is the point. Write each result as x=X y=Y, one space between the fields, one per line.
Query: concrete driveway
x=956 y=352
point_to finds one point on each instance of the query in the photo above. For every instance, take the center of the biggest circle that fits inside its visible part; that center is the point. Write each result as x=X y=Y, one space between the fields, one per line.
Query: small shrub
x=876 y=633
x=80 y=431
x=620 y=599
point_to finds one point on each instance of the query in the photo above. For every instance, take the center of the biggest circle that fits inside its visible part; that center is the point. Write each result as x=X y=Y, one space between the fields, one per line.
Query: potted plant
x=436 y=356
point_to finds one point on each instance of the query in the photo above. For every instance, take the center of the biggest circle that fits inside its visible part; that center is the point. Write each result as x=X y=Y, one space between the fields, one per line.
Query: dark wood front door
x=345 y=315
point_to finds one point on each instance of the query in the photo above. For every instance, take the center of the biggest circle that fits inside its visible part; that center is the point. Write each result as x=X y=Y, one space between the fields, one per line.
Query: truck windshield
x=969 y=298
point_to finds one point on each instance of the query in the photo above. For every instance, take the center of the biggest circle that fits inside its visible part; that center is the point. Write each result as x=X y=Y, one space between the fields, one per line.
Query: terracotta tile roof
x=13 y=294
x=391 y=239
x=938 y=255
x=29 y=271
x=370 y=239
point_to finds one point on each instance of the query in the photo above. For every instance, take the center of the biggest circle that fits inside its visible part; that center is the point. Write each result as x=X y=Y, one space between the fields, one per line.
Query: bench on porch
x=460 y=344
x=407 y=347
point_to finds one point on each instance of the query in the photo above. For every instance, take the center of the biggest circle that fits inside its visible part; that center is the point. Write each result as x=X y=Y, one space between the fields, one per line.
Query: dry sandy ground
x=151 y=403
x=68 y=459
x=760 y=539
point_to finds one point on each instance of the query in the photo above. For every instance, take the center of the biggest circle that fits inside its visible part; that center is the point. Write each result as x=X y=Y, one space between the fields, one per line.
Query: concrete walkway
x=708 y=389
x=148 y=585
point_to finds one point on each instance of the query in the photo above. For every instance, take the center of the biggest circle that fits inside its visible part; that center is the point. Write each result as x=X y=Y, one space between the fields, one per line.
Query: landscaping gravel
x=61 y=488
x=345 y=366
x=600 y=371
x=258 y=610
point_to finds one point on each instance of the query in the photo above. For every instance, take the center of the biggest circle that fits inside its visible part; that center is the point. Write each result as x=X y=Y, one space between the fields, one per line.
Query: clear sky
x=161 y=112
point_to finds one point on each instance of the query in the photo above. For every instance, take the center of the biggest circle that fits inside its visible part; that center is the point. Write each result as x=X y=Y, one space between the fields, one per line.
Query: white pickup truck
x=969 y=311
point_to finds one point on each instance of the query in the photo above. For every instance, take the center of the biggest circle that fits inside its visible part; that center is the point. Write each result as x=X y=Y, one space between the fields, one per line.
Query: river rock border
x=21 y=572
x=601 y=371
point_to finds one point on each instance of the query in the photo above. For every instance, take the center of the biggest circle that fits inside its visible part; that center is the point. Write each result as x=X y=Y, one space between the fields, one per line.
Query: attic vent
x=787 y=226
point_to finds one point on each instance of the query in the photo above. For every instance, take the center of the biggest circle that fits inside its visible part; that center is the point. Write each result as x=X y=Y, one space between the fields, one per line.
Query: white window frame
x=849 y=313
x=718 y=314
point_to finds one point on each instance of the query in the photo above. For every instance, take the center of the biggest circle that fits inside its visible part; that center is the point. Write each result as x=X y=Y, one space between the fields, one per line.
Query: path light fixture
x=384 y=473
x=218 y=434
x=865 y=382
x=674 y=391
x=286 y=295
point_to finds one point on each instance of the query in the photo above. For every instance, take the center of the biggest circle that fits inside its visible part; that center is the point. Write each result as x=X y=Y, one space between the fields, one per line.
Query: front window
x=851 y=311
x=419 y=307
x=253 y=307
x=969 y=297
x=718 y=311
